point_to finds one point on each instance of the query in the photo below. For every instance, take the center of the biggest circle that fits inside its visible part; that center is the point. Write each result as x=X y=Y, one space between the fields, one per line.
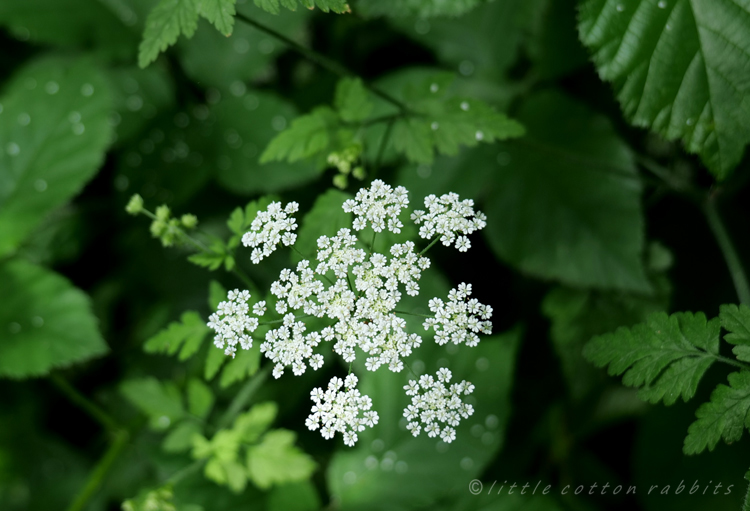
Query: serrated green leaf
x=45 y=322
x=210 y=260
x=251 y=425
x=666 y=355
x=308 y=135
x=216 y=294
x=272 y=6
x=54 y=129
x=419 y=8
x=160 y=401
x=736 y=320
x=680 y=67
x=565 y=202
x=241 y=219
x=352 y=100
x=725 y=416
x=180 y=439
x=412 y=137
x=214 y=360
x=244 y=364
x=200 y=398
x=188 y=334
x=275 y=460
x=164 y=24
x=159 y=499
x=220 y=13
x=325 y=218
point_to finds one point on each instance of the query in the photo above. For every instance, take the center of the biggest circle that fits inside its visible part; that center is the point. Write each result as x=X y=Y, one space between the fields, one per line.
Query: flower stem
x=727 y=249
x=96 y=478
x=428 y=247
x=381 y=148
x=243 y=397
x=413 y=314
x=88 y=406
x=321 y=60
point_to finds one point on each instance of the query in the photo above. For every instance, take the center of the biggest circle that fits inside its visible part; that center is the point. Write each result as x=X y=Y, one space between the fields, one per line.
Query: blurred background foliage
x=593 y=224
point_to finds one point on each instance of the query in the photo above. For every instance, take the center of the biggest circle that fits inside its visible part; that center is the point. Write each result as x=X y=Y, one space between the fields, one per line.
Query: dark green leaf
x=308 y=135
x=164 y=24
x=352 y=100
x=736 y=320
x=421 y=8
x=325 y=218
x=188 y=334
x=244 y=364
x=200 y=398
x=276 y=460
x=160 y=401
x=220 y=13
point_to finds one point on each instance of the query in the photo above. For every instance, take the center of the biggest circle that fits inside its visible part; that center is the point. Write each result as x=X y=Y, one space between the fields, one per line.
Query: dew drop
x=350 y=478
x=14 y=327
x=477 y=430
x=424 y=171
x=115 y=119
x=482 y=364
x=241 y=46
x=434 y=88
x=377 y=445
x=690 y=121
x=233 y=139
x=371 y=462
x=491 y=421
x=78 y=128
x=620 y=7
x=278 y=123
x=434 y=126
x=467 y=463
x=181 y=120
x=130 y=85
x=74 y=117
x=401 y=467
x=662 y=4
x=134 y=103
x=668 y=27
x=12 y=148
x=24 y=119
x=451 y=349
x=418 y=367
x=386 y=465
x=466 y=67
x=87 y=89
x=121 y=183
x=442 y=447
x=465 y=106
x=164 y=421
x=37 y=321
x=30 y=83
x=201 y=112
x=266 y=46
x=421 y=27
x=52 y=87
x=488 y=438
x=213 y=96
x=238 y=88
x=40 y=185
x=251 y=102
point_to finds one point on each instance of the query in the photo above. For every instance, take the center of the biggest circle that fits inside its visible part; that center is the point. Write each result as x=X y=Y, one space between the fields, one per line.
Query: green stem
x=88 y=406
x=372 y=240
x=428 y=247
x=731 y=362
x=184 y=472
x=413 y=314
x=321 y=60
x=243 y=397
x=96 y=478
x=727 y=249
x=381 y=148
x=277 y=321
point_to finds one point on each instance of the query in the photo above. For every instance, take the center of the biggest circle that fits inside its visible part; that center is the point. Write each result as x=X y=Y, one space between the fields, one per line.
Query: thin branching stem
x=739 y=277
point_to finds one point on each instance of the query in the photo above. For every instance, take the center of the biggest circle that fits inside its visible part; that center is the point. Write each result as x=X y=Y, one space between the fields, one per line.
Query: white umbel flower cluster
x=232 y=323
x=459 y=320
x=437 y=408
x=269 y=228
x=450 y=218
x=347 y=412
x=380 y=205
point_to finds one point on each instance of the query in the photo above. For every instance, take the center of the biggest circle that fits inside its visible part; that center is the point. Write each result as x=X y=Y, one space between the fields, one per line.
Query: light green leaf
x=736 y=320
x=725 y=416
x=680 y=68
x=299 y=496
x=214 y=360
x=352 y=100
x=420 y=8
x=160 y=401
x=45 y=322
x=565 y=202
x=54 y=131
x=159 y=499
x=180 y=439
x=251 y=425
x=308 y=135
x=200 y=398
x=275 y=460
x=666 y=356
x=216 y=294
x=412 y=138
x=272 y=6
x=325 y=218
x=164 y=24
x=244 y=364
x=188 y=334
x=220 y=13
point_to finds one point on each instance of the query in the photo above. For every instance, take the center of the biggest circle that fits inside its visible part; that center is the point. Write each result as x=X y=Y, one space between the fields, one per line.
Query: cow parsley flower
x=460 y=320
x=436 y=408
x=347 y=412
x=232 y=323
x=289 y=345
x=380 y=205
x=451 y=219
x=269 y=228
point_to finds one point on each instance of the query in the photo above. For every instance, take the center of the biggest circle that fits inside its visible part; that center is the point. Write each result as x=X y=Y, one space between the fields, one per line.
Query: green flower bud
x=162 y=212
x=359 y=173
x=135 y=205
x=189 y=221
x=340 y=181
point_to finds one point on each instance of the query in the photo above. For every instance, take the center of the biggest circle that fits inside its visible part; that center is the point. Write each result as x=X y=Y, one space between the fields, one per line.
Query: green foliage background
x=604 y=139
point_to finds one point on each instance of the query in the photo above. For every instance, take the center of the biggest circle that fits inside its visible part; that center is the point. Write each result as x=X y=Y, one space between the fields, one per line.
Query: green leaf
x=298 y=496
x=554 y=46
x=272 y=6
x=188 y=334
x=180 y=439
x=54 y=130
x=45 y=322
x=220 y=13
x=159 y=499
x=251 y=425
x=161 y=402
x=275 y=460
x=666 y=356
x=216 y=294
x=325 y=218
x=725 y=416
x=352 y=100
x=420 y=8
x=214 y=360
x=200 y=398
x=412 y=137
x=308 y=135
x=164 y=24
x=680 y=67
x=565 y=202
x=244 y=364
x=736 y=320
